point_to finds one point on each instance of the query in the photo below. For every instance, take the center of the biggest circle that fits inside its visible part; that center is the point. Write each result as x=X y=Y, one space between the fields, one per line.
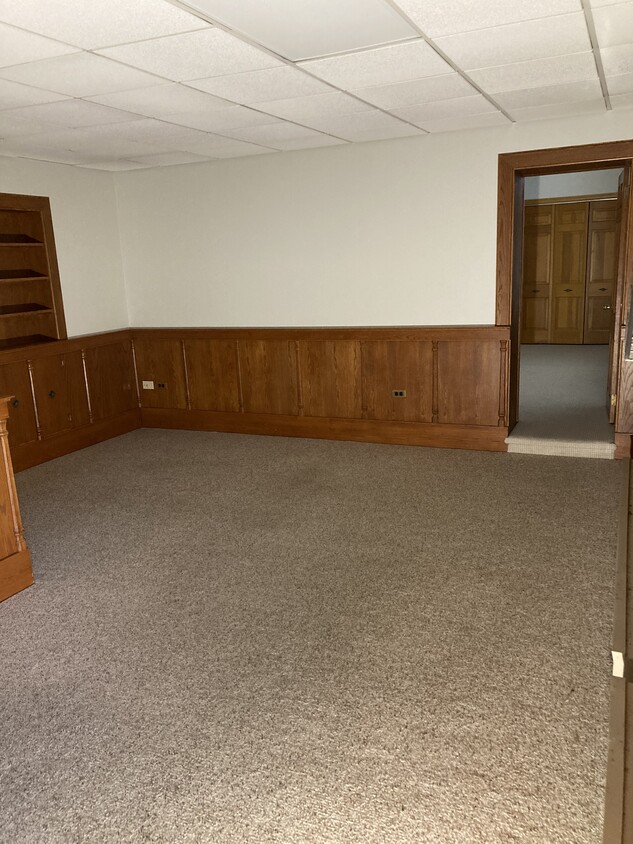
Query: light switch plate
x=148 y=385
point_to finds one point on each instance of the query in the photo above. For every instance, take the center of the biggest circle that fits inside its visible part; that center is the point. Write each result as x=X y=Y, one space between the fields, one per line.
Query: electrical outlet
x=161 y=385
x=399 y=394
x=148 y=385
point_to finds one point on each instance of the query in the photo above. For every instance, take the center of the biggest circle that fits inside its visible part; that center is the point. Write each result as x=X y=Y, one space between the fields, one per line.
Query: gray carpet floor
x=563 y=393
x=238 y=639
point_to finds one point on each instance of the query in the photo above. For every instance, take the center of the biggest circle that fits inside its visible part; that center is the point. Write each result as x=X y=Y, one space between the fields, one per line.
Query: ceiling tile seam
x=450 y=61
x=597 y=56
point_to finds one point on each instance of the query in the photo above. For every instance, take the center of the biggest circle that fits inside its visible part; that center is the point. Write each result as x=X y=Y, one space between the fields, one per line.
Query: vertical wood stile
x=85 y=371
x=138 y=390
x=37 y=416
x=16 y=518
x=299 y=382
x=239 y=375
x=503 y=381
x=436 y=368
x=183 y=346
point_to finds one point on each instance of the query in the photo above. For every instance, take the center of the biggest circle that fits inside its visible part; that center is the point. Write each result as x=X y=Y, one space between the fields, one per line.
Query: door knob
x=15 y=403
x=52 y=394
x=606 y=307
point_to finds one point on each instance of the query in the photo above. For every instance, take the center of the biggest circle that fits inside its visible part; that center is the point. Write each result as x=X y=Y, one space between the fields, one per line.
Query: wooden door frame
x=513 y=167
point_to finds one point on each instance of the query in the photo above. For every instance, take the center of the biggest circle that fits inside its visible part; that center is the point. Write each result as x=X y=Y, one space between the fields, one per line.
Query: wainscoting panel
x=213 y=375
x=15 y=381
x=330 y=378
x=109 y=374
x=161 y=361
x=269 y=376
x=469 y=382
x=405 y=366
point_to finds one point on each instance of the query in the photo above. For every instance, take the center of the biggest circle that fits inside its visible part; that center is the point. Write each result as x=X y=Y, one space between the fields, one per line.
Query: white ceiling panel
x=239 y=149
x=148 y=130
x=17 y=46
x=205 y=145
x=79 y=75
x=539 y=73
x=14 y=95
x=99 y=23
x=161 y=100
x=420 y=115
x=518 y=42
x=622 y=84
x=475 y=121
x=72 y=114
x=309 y=142
x=452 y=16
x=194 y=55
x=163 y=159
x=312 y=27
x=14 y=127
x=617 y=60
x=258 y=86
x=402 y=94
x=570 y=93
x=383 y=66
x=614 y=25
x=547 y=112
x=115 y=165
x=219 y=120
x=41 y=152
x=305 y=109
x=622 y=101
x=364 y=126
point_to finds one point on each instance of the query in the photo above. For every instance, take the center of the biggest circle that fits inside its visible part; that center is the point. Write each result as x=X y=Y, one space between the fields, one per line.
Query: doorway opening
x=568 y=285
x=563 y=276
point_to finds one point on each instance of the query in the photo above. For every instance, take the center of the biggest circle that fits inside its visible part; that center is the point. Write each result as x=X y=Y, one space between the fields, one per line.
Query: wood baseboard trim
x=473 y=437
x=622 y=446
x=16 y=574
x=31 y=454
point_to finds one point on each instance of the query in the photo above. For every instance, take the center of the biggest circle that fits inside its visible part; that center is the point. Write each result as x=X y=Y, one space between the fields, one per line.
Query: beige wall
x=83 y=206
x=391 y=233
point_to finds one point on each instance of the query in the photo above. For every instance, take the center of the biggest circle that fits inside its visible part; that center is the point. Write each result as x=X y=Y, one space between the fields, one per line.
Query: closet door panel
x=569 y=273
x=52 y=395
x=601 y=272
x=537 y=271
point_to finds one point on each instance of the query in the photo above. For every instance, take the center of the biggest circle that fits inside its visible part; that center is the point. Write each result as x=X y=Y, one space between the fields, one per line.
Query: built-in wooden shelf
x=25 y=308
x=30 y=292
x=18 y=240
x=27 y=340
x=21 y=275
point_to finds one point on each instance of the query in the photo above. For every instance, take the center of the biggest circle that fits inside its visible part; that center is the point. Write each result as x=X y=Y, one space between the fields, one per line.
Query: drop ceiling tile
x=219 y=120
x=309 y=142
x=161 y=100
x=617 y=60
x=305 y=109
x=518 y=42
x=547 y=112
x=193 y=55
x=622 y=100
x=96 y=23
x=453 y=16
x=238 y=149
x=97 y=141
x=474 y=121
x=312 y=27
x=15 y=127
x=14 y=95
x=72 y=114
x=79 y=75
x=365 y=126
x=420 y=115
x=260 y=85
x=146 y=130
x=402 y=94
x=397 y=63
x=18 y=46
x=622 y=84
x=41 y=153
x=569 y=93
x=114 y=165
x=270 y=134
x=614 y=25
x=164 y=159
x=540 y=73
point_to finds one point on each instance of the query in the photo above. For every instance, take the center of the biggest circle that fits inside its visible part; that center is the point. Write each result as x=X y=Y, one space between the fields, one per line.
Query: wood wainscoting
x=68 y=394
x=332 y=383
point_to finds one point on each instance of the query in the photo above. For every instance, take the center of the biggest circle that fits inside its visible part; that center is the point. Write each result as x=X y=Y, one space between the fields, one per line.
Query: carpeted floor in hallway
x=244 y=640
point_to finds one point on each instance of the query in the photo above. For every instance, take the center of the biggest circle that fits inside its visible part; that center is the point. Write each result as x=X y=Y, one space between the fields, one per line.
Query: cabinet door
x=15 y=381
x=569 y=273
x=537 y=272
x=50 y=382
x=602 y=266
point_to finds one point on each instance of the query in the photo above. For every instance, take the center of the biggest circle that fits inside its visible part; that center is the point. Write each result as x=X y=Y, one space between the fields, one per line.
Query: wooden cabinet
x=31 y=308
x=569 y=269
x=16 y=572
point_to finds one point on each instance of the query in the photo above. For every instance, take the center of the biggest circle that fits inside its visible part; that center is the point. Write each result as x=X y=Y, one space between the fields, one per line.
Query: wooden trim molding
x=562 y=200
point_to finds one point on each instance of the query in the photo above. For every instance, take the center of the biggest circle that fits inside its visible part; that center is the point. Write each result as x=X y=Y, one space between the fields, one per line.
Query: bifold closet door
x=569 y=271
x=601 y=272
x=537 y=270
